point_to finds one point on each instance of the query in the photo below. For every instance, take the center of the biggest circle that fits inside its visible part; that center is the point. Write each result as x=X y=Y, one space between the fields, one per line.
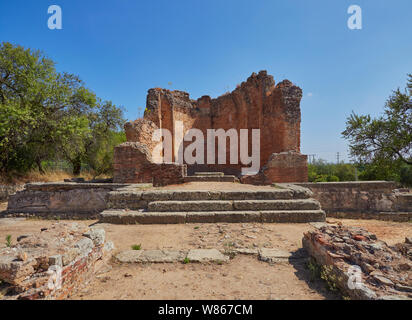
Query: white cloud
x=310 y=94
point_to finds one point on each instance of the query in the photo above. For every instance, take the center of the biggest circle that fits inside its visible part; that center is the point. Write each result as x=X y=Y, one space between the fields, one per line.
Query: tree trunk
x=77 y=166
x=39 y=166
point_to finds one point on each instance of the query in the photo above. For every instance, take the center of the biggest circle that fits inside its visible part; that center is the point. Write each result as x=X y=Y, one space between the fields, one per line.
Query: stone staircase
x=210 y=177
x=291 y=204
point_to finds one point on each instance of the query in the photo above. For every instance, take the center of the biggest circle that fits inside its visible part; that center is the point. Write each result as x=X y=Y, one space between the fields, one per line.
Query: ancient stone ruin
x=52 y=263
x=353 y=261
x=255 y=104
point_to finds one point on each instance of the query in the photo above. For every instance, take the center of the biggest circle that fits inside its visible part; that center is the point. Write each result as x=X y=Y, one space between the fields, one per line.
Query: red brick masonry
x=257 y=103
x=281 y=167
x=132 y=164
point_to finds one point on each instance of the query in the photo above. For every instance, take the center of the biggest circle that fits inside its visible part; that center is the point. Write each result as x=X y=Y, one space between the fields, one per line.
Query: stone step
x=271 y=255
x=214 y=174
x=139 y=200
x=230 y=205
x=210 y=178
x=265 y=216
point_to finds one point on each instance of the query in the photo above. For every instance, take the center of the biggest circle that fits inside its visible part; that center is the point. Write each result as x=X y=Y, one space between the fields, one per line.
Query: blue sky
x=122 y=48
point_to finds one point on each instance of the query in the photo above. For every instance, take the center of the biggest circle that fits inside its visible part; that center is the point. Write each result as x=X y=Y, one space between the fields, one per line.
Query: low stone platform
x=131 y=198
x=286 y=204
x=64 y=199
x=141 y=217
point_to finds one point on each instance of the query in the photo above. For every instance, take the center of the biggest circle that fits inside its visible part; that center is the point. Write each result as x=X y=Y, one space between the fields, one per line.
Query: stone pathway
x=271 y=255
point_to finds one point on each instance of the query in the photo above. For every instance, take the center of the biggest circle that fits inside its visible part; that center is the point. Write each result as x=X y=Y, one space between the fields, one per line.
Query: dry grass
x=48 y=176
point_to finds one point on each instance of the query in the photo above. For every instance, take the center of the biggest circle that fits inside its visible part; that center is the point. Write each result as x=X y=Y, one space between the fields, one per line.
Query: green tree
x=47 y=115
x=106 y=132
x=384 y=143
x=344 y=171
x=40 y=108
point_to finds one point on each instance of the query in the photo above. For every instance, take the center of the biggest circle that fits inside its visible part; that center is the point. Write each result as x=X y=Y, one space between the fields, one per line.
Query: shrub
x=137 y=247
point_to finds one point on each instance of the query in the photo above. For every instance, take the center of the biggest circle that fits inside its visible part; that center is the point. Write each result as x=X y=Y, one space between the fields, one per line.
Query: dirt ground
x=244 y=277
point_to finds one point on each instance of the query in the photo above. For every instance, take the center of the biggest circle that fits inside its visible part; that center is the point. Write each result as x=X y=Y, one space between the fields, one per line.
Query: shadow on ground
x=299 y=260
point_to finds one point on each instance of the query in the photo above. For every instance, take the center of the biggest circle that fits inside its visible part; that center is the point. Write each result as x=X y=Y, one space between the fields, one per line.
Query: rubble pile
x=361 y=266
x=52 y=263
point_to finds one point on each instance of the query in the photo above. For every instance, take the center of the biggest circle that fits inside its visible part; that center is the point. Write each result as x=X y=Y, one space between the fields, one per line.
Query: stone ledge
x=141 y=217
x=385 y=216
x=56 y=186
x=366 y=185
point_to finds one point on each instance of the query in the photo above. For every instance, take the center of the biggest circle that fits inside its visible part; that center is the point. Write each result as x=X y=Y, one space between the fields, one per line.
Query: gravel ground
x=244 y=277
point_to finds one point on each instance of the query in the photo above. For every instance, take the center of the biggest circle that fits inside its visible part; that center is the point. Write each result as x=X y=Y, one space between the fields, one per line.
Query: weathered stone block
x=274 y=255
x=151 y=256
x=97 y=235
x=206 y=255
x=212 y=205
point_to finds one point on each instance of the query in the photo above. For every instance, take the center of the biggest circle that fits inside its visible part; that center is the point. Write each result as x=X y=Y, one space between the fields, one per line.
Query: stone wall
x=345 y=199
x=8 y=190
x=133 y=164
x=255 y=104
x=74 y=200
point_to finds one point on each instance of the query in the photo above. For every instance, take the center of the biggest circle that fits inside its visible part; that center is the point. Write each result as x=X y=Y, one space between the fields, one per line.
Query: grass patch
x=137 y=247
x=186 y=260
x=326 y=273
x=8 y=241
x=330 y=277
x=314 y=269
x=49 y=175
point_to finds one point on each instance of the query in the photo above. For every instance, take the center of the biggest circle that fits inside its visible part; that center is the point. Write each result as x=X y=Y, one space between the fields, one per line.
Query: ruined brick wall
x=281 y=167
x=133 y=164
x=255 y=104
x=358 y=264
x=54 y=262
